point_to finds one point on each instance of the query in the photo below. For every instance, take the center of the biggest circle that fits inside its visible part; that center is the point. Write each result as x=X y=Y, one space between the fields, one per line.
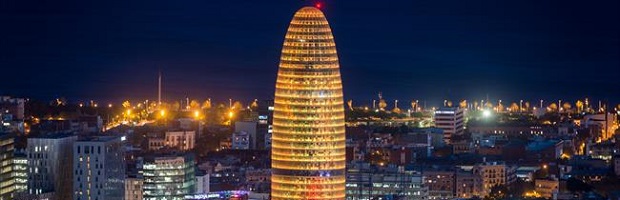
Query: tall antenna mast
x=159 y=89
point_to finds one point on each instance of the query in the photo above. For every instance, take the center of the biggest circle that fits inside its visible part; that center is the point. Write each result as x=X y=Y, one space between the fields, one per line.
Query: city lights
x=486 y=113
x=434 y=101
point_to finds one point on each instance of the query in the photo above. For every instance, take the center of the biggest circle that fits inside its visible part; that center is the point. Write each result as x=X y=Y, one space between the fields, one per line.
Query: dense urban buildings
x=303 y=141
x=308 y=141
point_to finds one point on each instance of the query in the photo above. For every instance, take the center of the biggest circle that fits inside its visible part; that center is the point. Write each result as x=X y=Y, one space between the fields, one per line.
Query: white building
x=99 y=168
x=202 y=182
x=451 y=120
x=184 y=140
x=50 y=160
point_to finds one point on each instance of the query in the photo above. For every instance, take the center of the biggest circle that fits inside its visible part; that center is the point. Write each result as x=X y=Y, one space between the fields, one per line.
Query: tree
x=176 y=106
x=527 y=105
x=576 y=185
x=514 y=107
x=566 y=106
x=126 y=104
x=382 y=104
x=237 y=106
x=579 y=105
x=463 y=104
x=207 y=104
x=194 y=105
x=552 y=107
x=254 y=104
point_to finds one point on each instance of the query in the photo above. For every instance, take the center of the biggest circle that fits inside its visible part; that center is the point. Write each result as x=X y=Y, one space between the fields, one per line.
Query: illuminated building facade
x=451 y=120
x=20 y=171
x=368 y=183
x=7 y=179
x=308 y=141
x=168 y=176
x=99 y=168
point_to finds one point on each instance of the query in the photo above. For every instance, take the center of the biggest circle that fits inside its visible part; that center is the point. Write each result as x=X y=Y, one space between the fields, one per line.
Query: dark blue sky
x=422 y=49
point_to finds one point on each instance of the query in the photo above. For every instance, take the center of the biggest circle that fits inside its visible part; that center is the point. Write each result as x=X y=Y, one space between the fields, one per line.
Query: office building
x=168 y=176
x=7 y=177
x=50 y=164
x=308 y=141
x=368 y=183
x=20 y=171
x=99 y=168
x=451 y=120
x=265 y=125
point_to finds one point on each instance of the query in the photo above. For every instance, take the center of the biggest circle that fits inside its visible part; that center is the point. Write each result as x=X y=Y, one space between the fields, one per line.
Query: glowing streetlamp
x=486 y=113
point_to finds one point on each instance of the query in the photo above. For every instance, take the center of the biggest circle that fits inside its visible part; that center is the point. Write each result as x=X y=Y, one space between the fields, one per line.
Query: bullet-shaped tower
x=308 y=141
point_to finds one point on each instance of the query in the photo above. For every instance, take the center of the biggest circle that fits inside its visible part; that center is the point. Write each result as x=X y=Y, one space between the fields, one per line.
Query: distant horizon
x=403 y=103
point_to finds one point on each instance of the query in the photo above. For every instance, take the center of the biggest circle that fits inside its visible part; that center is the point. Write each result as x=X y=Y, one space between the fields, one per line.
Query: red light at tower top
x=318 y=5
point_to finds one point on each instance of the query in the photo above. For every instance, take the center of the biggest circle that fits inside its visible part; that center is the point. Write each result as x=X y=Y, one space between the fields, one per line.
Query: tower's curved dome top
x=309 y=11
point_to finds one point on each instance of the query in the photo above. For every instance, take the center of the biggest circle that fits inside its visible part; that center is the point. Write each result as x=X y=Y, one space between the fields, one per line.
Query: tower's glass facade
x=308 y=142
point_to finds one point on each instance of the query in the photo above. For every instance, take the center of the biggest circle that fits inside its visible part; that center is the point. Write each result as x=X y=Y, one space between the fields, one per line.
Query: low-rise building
x=468 y=184
x=364 y=182
x=491 y=174
x=547 y=188
x=440 y=182
x=183 y=140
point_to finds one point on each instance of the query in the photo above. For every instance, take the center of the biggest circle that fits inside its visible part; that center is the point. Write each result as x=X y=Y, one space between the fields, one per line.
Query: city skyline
x=456 y=51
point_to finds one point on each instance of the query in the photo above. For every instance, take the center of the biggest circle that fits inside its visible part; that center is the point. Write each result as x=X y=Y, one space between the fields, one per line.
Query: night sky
x=410 y=49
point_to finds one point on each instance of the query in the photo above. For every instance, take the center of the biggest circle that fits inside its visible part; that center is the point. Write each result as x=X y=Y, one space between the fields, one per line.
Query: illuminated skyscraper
x=308 y=143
